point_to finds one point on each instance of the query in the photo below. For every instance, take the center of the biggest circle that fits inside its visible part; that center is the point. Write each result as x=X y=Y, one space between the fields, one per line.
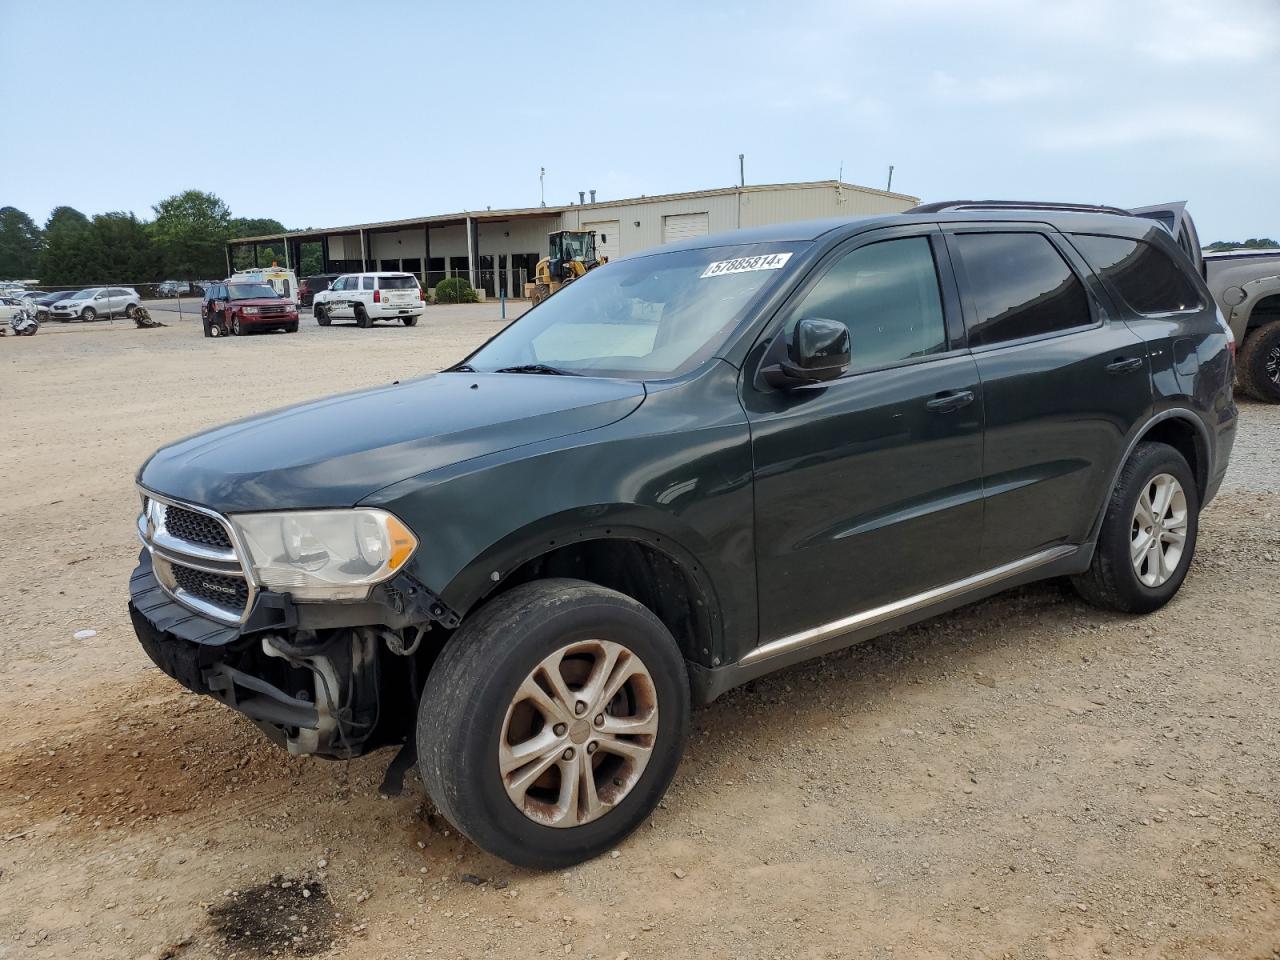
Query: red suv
x=246 y=307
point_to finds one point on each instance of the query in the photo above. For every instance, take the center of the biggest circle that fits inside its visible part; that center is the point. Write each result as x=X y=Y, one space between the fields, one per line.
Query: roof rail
x=955 y=205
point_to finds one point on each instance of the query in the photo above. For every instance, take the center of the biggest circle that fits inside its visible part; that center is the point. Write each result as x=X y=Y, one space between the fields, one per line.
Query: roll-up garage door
x=606 y=237
x=682 y=226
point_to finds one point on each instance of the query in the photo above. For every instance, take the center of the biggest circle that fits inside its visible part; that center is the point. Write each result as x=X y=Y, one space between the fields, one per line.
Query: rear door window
x=1019 y=286
x=1143 y=276
x=366 y=283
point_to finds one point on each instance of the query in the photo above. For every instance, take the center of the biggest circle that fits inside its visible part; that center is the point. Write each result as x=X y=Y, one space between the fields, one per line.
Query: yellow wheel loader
x=573 y=253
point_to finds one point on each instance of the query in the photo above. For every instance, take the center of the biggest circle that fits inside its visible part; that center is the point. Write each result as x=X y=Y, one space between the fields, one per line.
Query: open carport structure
x=496 y=250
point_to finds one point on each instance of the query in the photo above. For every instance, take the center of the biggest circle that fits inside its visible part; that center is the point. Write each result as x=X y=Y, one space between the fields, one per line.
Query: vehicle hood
x=262 y=302
x=337 y=451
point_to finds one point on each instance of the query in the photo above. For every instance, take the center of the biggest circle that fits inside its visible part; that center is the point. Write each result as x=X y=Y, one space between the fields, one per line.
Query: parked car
x=44 y=302
x=95 y=302
x=175 y=288
x=310 y=286
x=702 y=464
x=239 y=307
x=1246 y=285
x=367 y=297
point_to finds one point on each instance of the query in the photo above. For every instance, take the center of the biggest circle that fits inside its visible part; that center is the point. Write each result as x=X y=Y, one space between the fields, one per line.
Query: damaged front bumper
x=308 y=675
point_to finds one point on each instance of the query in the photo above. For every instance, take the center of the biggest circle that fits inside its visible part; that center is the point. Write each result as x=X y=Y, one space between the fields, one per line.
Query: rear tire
x=1126 y=574
x=489 y=694
x=362 y=317
x=1258 y=368
x=409 y=321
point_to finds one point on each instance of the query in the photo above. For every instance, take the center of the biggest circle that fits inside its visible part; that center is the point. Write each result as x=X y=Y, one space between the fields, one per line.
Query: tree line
x=184 y=240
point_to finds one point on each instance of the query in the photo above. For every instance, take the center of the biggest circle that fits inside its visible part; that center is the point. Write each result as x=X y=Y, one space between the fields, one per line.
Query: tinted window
x=1021 y=287
x=397 y=283
x=1144 y=276
x=887 y=295
x=367 y=283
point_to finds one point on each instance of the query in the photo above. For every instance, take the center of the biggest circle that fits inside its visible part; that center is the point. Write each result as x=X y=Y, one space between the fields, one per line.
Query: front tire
x=235 y=326
x=88 y=315
x=1148 y=535
x=552 y=722
x=1259 y=363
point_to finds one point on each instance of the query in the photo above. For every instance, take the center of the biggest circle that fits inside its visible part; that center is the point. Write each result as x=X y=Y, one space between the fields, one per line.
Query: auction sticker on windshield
x=766 y=261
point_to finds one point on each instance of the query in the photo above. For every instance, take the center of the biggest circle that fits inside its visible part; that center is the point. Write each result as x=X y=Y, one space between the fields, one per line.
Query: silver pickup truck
x=1246 y=284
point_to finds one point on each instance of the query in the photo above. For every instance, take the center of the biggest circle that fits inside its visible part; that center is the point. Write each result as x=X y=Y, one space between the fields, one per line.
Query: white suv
x=366 y=297
x=96 y=301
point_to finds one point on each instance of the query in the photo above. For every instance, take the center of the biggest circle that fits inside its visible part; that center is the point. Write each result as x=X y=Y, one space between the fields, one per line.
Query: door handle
x=951 y=400
x=1124 y=364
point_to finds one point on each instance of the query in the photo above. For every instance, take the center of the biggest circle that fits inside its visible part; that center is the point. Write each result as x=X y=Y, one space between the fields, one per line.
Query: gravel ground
x=1026 y=777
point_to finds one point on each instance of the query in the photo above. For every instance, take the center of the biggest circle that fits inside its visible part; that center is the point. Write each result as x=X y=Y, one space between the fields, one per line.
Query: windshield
x=251 y=291
x=644 y=318
x=84 y=294
x=575 y=246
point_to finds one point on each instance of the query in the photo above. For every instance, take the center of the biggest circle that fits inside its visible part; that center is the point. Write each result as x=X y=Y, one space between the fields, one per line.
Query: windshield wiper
x=537 y=368
x=461 y=368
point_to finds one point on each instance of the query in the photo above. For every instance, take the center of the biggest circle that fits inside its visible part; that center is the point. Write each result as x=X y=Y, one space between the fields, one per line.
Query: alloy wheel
x=1159 y=531
x=578 y=733
x=1273 y=365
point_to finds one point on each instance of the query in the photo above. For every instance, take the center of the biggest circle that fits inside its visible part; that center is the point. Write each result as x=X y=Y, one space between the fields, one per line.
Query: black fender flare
x=1171 y=413
x=653 y=529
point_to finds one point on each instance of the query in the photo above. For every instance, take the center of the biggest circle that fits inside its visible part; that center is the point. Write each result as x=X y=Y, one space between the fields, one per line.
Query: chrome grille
x=194 y=558
x=196 y=527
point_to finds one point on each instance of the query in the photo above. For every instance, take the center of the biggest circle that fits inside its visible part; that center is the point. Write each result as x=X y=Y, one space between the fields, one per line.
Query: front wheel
x=1259 y=364
x=88 y=314
x=1148 y=535
x=552 y=722
x=235 y=326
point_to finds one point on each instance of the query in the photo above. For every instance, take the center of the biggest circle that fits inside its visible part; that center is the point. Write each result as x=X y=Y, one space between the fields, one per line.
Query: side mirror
x=817 y=351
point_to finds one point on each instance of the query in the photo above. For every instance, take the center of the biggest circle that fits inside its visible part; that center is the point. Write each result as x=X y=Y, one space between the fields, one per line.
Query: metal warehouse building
x=498 y=249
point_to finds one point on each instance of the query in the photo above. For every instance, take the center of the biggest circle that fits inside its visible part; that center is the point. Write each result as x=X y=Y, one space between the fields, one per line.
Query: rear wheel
x=1259 y=363
x=552 y=722
x=1148 y=535
x=88 y=314
x=409 y=321
x=322 y=316
x=362 y=316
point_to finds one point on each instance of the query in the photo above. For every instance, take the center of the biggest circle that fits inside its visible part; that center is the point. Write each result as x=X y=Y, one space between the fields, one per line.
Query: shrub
x=455 y=290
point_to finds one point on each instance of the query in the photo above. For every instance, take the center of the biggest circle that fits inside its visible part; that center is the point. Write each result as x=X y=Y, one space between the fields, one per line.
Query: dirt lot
x=1024 y=778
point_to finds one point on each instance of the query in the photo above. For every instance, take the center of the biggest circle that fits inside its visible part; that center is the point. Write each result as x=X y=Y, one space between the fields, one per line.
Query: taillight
x=377 y=296
x=422 y=295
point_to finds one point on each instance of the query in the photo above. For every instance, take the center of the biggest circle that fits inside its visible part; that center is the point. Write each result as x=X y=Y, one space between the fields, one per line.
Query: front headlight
x=249 y=311
x=324 y=554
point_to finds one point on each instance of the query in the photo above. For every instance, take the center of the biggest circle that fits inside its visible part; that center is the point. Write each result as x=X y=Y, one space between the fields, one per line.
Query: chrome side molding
x=906 y=605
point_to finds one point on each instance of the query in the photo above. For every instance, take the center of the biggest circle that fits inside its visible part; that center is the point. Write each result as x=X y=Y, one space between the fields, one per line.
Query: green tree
x=1253 y=243
x=19 y=245
x=312 y=260
x=120 y=250
x=65 y=259
x=190 y=232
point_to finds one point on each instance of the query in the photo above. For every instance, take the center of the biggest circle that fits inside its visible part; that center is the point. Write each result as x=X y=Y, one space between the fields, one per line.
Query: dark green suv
x=687 y=469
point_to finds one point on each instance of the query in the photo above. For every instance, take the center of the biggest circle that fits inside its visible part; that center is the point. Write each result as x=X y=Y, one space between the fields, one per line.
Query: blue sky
x=330 y=113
